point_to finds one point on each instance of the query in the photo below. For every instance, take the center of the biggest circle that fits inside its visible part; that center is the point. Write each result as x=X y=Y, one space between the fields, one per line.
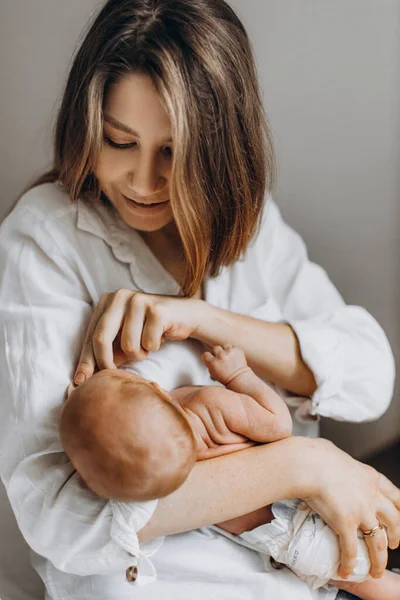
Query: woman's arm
x=348 y=495
x=237 y=484
x=272 y=349
x=336 y=353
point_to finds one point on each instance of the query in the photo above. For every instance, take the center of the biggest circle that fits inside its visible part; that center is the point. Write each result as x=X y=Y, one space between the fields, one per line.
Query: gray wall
x=331 y=79
x=330 y=71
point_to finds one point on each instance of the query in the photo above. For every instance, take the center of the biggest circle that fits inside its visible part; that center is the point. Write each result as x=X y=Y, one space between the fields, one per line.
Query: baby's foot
x=224 y=362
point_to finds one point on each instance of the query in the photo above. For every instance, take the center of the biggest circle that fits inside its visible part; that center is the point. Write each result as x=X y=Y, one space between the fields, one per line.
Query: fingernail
x=79 y=378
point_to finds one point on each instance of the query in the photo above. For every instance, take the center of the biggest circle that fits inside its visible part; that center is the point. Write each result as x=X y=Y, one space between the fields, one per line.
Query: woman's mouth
x=143 y=207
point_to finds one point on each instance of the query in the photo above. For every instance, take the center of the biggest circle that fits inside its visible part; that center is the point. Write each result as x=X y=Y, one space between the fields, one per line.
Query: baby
x=130 y=440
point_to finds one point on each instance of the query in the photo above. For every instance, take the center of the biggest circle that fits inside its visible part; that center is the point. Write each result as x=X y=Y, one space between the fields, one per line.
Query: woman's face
x=135 y=161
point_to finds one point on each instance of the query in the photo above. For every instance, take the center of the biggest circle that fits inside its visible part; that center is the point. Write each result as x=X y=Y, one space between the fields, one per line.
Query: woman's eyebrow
x=109 y=119
x=118 y=125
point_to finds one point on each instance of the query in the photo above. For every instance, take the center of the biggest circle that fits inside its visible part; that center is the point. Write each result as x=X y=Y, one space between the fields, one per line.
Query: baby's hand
x=223 y=362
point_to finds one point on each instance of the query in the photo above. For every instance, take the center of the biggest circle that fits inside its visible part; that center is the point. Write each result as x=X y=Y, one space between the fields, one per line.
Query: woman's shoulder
x=271 y=217
x=44 y=215
x=46 y=202
x=267 y=232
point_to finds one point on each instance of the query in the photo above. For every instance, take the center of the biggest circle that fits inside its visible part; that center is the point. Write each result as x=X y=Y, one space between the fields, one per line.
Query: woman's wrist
x=272 y=349
x=309 y=455
x=206 y=316
x=214 y=326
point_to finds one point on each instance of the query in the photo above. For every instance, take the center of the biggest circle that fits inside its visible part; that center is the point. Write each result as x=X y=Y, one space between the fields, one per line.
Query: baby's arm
x=267 y=418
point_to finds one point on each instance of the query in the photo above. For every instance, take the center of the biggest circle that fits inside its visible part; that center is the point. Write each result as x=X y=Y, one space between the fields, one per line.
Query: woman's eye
x=113 y=144
x=167 y=150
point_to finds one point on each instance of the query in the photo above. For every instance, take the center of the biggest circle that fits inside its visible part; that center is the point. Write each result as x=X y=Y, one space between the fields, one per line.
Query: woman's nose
x=147 y=178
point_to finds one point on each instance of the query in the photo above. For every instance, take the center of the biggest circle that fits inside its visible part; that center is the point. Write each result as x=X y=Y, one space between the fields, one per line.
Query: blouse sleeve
x=344 y=346
x=44 y=310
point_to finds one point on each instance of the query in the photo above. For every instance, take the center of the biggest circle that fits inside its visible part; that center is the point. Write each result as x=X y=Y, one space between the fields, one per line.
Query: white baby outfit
x=300 y=539
x=56 y=259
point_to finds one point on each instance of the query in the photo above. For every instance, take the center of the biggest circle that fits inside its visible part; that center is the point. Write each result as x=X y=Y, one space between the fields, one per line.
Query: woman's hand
x=129 y=325
x=351 y=496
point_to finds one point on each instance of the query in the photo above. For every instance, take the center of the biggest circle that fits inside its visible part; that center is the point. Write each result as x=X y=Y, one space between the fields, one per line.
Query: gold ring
x=372 y=532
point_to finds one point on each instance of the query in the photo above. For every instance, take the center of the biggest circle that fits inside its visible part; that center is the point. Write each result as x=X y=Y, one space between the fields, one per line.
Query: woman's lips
x=144 y=207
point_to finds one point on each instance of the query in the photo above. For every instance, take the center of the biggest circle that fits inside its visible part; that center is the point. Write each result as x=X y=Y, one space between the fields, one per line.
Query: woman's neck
x=166 y=246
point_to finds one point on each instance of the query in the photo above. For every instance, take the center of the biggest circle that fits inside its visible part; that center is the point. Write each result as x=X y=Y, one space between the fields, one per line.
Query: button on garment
x=56 y=259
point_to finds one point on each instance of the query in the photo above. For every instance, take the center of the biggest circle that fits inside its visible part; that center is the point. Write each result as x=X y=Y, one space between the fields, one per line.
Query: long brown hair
x=200 y=59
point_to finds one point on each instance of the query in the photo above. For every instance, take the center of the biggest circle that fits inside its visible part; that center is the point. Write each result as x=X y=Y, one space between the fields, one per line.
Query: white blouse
x=56 y=259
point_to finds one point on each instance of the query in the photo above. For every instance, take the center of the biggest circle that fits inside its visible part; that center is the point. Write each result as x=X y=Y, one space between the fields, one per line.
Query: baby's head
x=126 y=437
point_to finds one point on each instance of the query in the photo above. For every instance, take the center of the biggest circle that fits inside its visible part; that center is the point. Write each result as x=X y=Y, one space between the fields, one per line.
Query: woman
x=162 y=163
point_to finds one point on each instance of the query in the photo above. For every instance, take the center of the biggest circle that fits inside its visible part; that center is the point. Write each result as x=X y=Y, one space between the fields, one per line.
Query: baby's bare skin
x=227 y=419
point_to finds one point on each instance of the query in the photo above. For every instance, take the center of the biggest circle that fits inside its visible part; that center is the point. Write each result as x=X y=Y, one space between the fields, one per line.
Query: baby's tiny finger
x=218 y=350
x=207 y=357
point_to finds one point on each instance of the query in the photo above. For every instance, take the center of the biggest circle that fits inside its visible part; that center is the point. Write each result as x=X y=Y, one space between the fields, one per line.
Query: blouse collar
x=127 y=246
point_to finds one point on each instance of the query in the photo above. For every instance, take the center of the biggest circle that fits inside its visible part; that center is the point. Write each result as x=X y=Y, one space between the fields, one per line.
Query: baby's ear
x=159 y=390
x=155 y=385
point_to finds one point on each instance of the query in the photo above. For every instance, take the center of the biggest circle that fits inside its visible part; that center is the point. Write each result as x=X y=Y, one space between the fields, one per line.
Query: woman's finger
x=106 y=332
x=388 y=515
x=85 y=369
x=131 y=335
x=389 y=490
x=348 y=552
x=377 y=547
x=87 y=361
x=152 y=331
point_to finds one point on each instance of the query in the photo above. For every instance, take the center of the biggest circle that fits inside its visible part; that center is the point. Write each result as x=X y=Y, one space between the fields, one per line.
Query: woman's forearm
x=222 y=488
x=272 y=349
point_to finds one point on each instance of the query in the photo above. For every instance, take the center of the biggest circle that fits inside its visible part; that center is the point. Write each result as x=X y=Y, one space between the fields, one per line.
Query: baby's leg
x=248 y=522
x=385 y=588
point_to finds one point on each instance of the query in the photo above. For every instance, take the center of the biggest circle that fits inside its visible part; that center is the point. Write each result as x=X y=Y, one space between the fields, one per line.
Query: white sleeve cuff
x=352 y=362
x=321 y=350
x=127 y=520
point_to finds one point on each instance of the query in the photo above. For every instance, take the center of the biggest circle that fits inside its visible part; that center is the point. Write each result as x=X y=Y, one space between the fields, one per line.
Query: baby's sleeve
x=176 y=364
